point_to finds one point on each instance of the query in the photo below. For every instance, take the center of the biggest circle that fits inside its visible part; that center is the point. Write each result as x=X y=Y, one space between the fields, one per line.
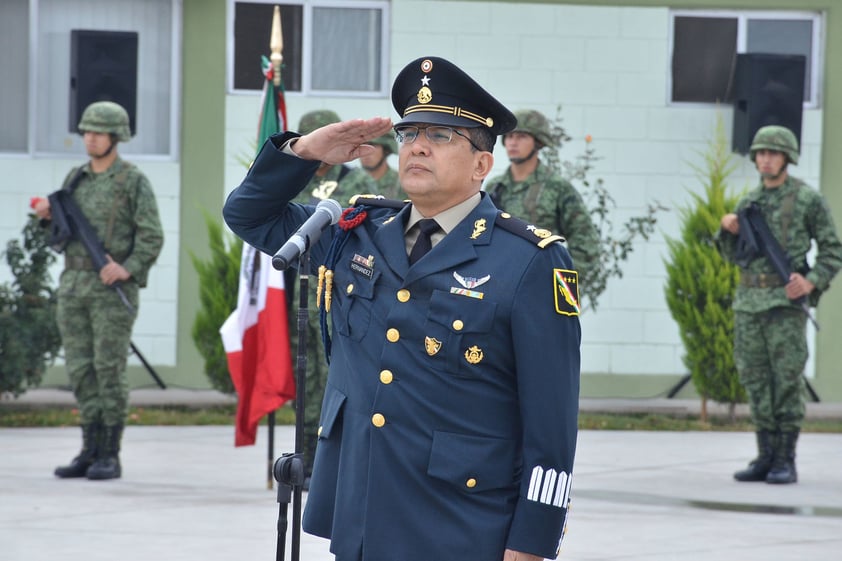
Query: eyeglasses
x=406 y=134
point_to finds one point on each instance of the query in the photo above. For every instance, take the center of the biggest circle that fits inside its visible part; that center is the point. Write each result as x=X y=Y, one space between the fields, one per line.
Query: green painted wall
x=202 y=162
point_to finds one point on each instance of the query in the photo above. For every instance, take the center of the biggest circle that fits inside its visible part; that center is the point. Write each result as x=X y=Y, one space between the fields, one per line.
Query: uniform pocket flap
x=331 y=409
x=471 y=314
x=472 y=463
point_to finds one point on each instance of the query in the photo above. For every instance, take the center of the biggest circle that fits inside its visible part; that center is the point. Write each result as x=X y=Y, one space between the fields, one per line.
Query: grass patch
x=150 y=416
x=224 y=415
x=665 y=422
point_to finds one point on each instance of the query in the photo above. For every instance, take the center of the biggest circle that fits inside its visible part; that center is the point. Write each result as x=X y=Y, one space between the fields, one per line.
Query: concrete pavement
x=188 y=494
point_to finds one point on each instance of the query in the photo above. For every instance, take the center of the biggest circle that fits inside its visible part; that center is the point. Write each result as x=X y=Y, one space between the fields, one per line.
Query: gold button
x=320 y=431
x=386 y=376
x=471 y=483
x=458 y=325
x=403 y=295
x=392 y=335
x=378 y=420
x=349 y=289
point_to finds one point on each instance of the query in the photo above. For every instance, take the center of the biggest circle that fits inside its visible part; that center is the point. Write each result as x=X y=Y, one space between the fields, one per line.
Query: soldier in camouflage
x=95 y=325
x=338 y=182
x=530 y=190
x=770 y=342
x=377 y=166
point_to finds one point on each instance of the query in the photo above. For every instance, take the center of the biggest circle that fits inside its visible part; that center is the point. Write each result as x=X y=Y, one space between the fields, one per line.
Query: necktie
x=424 y=243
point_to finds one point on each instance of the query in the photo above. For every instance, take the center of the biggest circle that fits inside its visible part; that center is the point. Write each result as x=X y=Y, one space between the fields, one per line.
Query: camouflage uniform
x=389 y=183
x=770 y=344
x=547 y=200
x=95 y=325
x=389 y=186
x=339 y=183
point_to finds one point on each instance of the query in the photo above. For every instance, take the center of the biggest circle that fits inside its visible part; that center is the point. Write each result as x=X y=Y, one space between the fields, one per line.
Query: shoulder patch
x=539 y=236
x=378 y=201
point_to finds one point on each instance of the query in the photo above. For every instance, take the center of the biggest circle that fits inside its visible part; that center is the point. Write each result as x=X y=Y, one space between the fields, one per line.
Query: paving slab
x=188 y=494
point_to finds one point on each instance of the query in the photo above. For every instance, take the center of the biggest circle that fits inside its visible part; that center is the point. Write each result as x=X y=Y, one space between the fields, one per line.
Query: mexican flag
x=255 y=336
x=256 y=341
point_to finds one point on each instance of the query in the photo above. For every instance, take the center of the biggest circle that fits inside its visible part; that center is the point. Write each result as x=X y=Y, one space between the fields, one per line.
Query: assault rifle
x=751 y=219
x=69 y=222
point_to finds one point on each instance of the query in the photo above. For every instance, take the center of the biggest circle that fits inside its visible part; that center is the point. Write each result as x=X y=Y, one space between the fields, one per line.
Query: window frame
x=308 y=7
x=817 y=45
x=33 y=119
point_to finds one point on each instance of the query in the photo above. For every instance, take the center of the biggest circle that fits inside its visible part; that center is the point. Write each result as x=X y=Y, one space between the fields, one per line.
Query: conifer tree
x=701 y=284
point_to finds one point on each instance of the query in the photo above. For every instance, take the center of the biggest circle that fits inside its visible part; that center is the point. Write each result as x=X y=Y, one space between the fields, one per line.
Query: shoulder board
x=539 y=236
x=377 y=201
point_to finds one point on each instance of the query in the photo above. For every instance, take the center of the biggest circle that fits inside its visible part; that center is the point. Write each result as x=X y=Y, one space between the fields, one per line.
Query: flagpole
x=276 y=47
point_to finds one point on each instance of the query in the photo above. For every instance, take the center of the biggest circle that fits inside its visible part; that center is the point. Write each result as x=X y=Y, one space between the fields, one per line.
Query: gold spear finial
x=276 y=45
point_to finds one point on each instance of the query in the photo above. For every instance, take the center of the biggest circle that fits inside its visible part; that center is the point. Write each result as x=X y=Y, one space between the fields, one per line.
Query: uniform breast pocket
x=352 y=306
x=457 y=333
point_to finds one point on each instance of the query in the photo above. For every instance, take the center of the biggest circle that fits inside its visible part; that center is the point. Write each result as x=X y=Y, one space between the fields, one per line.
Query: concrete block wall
x=608 y=69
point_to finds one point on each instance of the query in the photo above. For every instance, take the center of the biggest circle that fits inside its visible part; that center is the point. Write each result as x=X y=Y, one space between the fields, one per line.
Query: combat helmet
x=387 y=141
x=106 y=116
x=775 y=137
x=534 y=123
x=317 y=119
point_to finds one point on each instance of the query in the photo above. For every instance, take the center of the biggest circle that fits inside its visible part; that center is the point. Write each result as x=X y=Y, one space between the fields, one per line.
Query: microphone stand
x=289 y=468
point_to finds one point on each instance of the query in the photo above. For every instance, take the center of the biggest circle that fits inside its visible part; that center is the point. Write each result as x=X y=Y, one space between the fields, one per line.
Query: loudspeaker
x=103 y=67
x=767 y=90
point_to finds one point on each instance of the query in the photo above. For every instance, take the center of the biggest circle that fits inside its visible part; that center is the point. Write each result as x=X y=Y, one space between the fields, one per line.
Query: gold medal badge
x=474 y=355
x=432 y=345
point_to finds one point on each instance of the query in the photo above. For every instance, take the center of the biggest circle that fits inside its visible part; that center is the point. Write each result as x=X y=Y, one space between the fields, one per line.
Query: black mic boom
x=327 y=213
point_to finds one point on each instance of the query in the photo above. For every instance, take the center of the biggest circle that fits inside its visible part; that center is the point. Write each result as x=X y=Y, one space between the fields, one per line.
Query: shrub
x=615 y=246
x=701 y=284
x=29 y=336
x=218 y=286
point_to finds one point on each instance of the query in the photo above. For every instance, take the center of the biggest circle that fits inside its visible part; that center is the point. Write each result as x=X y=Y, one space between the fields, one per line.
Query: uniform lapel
x=390 y=242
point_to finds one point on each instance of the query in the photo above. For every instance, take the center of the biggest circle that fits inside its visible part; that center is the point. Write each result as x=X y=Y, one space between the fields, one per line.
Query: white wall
x=608 y=68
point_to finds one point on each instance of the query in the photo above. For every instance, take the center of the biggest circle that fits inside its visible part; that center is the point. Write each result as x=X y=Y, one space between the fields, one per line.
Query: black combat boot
x=783 y=464
x=79 y=465
x=107 y=464
x=759 y=467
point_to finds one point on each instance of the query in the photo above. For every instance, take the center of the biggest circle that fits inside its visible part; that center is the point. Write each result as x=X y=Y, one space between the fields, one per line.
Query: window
x=36 y=108
x=705 y=45
x=351 y=63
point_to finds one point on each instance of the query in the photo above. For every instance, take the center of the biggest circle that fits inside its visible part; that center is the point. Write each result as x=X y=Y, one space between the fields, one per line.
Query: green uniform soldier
x=341 y=183
x=770 y=342
x=530 y=190
x=377 y=165
x=95 y=325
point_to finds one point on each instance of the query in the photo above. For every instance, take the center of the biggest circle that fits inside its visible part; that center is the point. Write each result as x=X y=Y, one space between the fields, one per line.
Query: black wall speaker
x=767 y=90
x=103 y=67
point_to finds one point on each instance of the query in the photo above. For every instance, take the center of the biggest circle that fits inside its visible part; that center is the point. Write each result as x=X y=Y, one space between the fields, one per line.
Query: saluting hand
x=338 y=143
x=113 y=272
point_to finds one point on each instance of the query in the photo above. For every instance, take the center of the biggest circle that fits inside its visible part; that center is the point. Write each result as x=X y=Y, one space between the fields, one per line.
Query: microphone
x=327 y=213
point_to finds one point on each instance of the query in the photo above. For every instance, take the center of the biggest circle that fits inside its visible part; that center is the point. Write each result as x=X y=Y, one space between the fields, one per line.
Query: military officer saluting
x=449 y=420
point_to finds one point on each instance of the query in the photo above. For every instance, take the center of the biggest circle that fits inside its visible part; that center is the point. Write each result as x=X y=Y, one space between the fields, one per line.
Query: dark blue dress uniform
x=449 y=419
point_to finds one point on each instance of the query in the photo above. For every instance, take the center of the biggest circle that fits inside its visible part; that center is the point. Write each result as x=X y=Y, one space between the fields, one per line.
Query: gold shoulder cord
x=320 y=286
x=328 y=288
